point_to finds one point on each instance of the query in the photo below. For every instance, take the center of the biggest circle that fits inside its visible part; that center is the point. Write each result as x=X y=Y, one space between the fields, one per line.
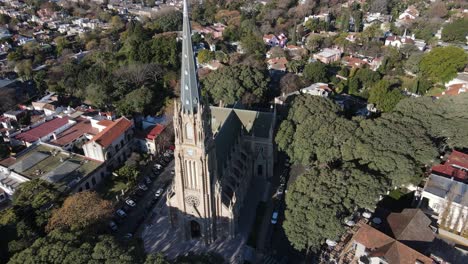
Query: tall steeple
x=190 y=94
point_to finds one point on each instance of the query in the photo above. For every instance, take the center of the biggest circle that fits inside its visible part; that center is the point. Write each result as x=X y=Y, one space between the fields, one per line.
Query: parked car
x=128 y=235
x=280 y=190
x=130 y=202
x=172 y=172
x=113 y=226
x=139 y=193
x=274 y=218
x=147 y=180
x=157 y=166
x=121 y=213
x=159 y=192
x=142 y=186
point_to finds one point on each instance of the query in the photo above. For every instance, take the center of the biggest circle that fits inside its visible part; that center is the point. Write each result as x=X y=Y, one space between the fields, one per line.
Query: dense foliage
x=236 y=83
x=352 y=162
x=456 y=31
x=443 y=63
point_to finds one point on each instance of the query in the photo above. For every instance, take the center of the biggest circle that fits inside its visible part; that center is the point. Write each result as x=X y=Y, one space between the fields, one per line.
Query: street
x=272 y=240
x=145 y=203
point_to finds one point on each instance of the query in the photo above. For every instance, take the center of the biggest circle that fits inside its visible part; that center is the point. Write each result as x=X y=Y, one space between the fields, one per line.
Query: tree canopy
x=233 y=83
x=316 y=72
x=351 y=162
x=456 y=31
x=441 y=64
x=81 y=211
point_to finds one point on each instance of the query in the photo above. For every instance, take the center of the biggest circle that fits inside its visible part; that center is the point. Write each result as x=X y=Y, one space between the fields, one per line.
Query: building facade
x=218 y=151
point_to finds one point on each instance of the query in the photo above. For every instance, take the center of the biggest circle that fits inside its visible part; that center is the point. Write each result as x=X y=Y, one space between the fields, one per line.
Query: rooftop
x=380 y=245
x=329 y=53
x=54 y=165
x=155 y=132
x=112 y=131
x=456 y=166
x=82 y=127
x=42 y=130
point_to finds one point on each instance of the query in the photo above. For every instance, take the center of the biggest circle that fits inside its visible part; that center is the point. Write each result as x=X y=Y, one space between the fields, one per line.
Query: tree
x=438 y=9
x=229 y=84
x=316 y=72
x=61 y=44
x=290 y=83
x=314 y=42
x=379 y=6
x=117 y=23
x=137 y=101
x=455 y=31
x=24 y=69
x=83 y=210
x=39 y=80
x=97 y=95
x=346 y=190
x=412 y=63
x=128 y=173
x=443 y=63
x=156 y=259
x=205 y=56
x=252 y=44
x=66 y=247
x=168 y=21
x=384 y=97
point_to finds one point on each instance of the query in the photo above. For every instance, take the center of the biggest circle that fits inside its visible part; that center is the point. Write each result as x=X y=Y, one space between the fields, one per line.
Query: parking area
x=133 y=208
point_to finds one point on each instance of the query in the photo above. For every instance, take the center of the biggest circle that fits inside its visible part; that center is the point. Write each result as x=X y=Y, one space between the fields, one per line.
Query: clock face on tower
x=192 y=200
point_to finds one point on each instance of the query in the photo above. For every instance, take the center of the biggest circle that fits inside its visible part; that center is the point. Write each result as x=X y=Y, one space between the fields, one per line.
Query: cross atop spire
x=190 y=95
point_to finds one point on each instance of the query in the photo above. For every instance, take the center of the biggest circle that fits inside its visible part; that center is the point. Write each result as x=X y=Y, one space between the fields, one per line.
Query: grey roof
x=228 y=123
x=190 y=94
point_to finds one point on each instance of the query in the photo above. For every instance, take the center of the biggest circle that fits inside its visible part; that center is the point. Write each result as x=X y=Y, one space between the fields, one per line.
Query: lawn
x=434 y=91
x=111 y=187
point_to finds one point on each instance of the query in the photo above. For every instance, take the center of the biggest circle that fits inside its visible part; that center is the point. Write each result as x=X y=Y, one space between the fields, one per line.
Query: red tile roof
x=42 y=130
x=456 y=166
x=155 y=132
x=105 y=122
x=83 y=126
x=112 y=132
x=380 y=245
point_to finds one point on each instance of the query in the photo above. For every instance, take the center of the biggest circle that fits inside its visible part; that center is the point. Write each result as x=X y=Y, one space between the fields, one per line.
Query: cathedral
x=218 y=153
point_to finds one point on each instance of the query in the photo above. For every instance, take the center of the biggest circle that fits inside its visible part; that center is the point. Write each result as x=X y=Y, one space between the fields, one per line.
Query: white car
x=142 y=186
x=159 y=192
x=130 y=202
x=172 y=172
x=121 y=213
x=158 y=166
x=274 y=218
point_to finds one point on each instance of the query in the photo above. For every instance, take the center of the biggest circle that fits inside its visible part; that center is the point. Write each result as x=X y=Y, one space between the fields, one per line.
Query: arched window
x=93 y=180
x=87 y=186
x=189 y=131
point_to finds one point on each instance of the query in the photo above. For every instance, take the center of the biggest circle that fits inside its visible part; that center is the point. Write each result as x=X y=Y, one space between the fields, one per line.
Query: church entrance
x=195 y=230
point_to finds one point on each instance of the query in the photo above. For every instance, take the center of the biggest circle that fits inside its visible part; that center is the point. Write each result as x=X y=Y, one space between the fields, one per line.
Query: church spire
x=190 y=95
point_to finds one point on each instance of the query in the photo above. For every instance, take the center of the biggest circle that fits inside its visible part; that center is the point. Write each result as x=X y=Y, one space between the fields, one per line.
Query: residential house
x=273 y=40
x=354 y=62
x=328 y=55
x=321 y=17
x=14 y=114
x=112 y=144
x=277 y=64
x=216 y=30
x=453 y=90
x=408 y=16
x=352 y=37
x=71 y=172
x=445 y=192
x=317 y=89
x=371 y=246
x=75 y=136
x=156 y=139
x=42 y=132
x=461 y=78
x=376 y=18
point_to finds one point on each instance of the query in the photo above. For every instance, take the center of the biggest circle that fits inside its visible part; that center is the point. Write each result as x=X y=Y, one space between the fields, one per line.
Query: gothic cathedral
x=218 y=152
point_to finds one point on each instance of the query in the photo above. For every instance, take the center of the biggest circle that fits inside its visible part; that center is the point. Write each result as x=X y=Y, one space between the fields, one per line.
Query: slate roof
x=410 y=225
x=112 y=132
x=392 y=251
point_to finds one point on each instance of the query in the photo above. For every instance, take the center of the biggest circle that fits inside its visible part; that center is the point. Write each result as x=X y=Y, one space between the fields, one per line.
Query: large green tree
x=456 y=31
x=233 y=83
x=441 y=64
x=383 y=96
x=316 y=72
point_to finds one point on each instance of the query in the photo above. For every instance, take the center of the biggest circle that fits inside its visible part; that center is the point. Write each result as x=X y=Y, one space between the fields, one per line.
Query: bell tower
x=195 y=165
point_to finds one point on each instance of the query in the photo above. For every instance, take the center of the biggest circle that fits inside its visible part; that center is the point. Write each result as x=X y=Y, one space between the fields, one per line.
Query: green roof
x=54 y=165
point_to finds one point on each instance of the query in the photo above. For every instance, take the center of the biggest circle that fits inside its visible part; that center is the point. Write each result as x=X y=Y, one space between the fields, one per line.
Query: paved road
x=273 y=241
x=145 y=203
